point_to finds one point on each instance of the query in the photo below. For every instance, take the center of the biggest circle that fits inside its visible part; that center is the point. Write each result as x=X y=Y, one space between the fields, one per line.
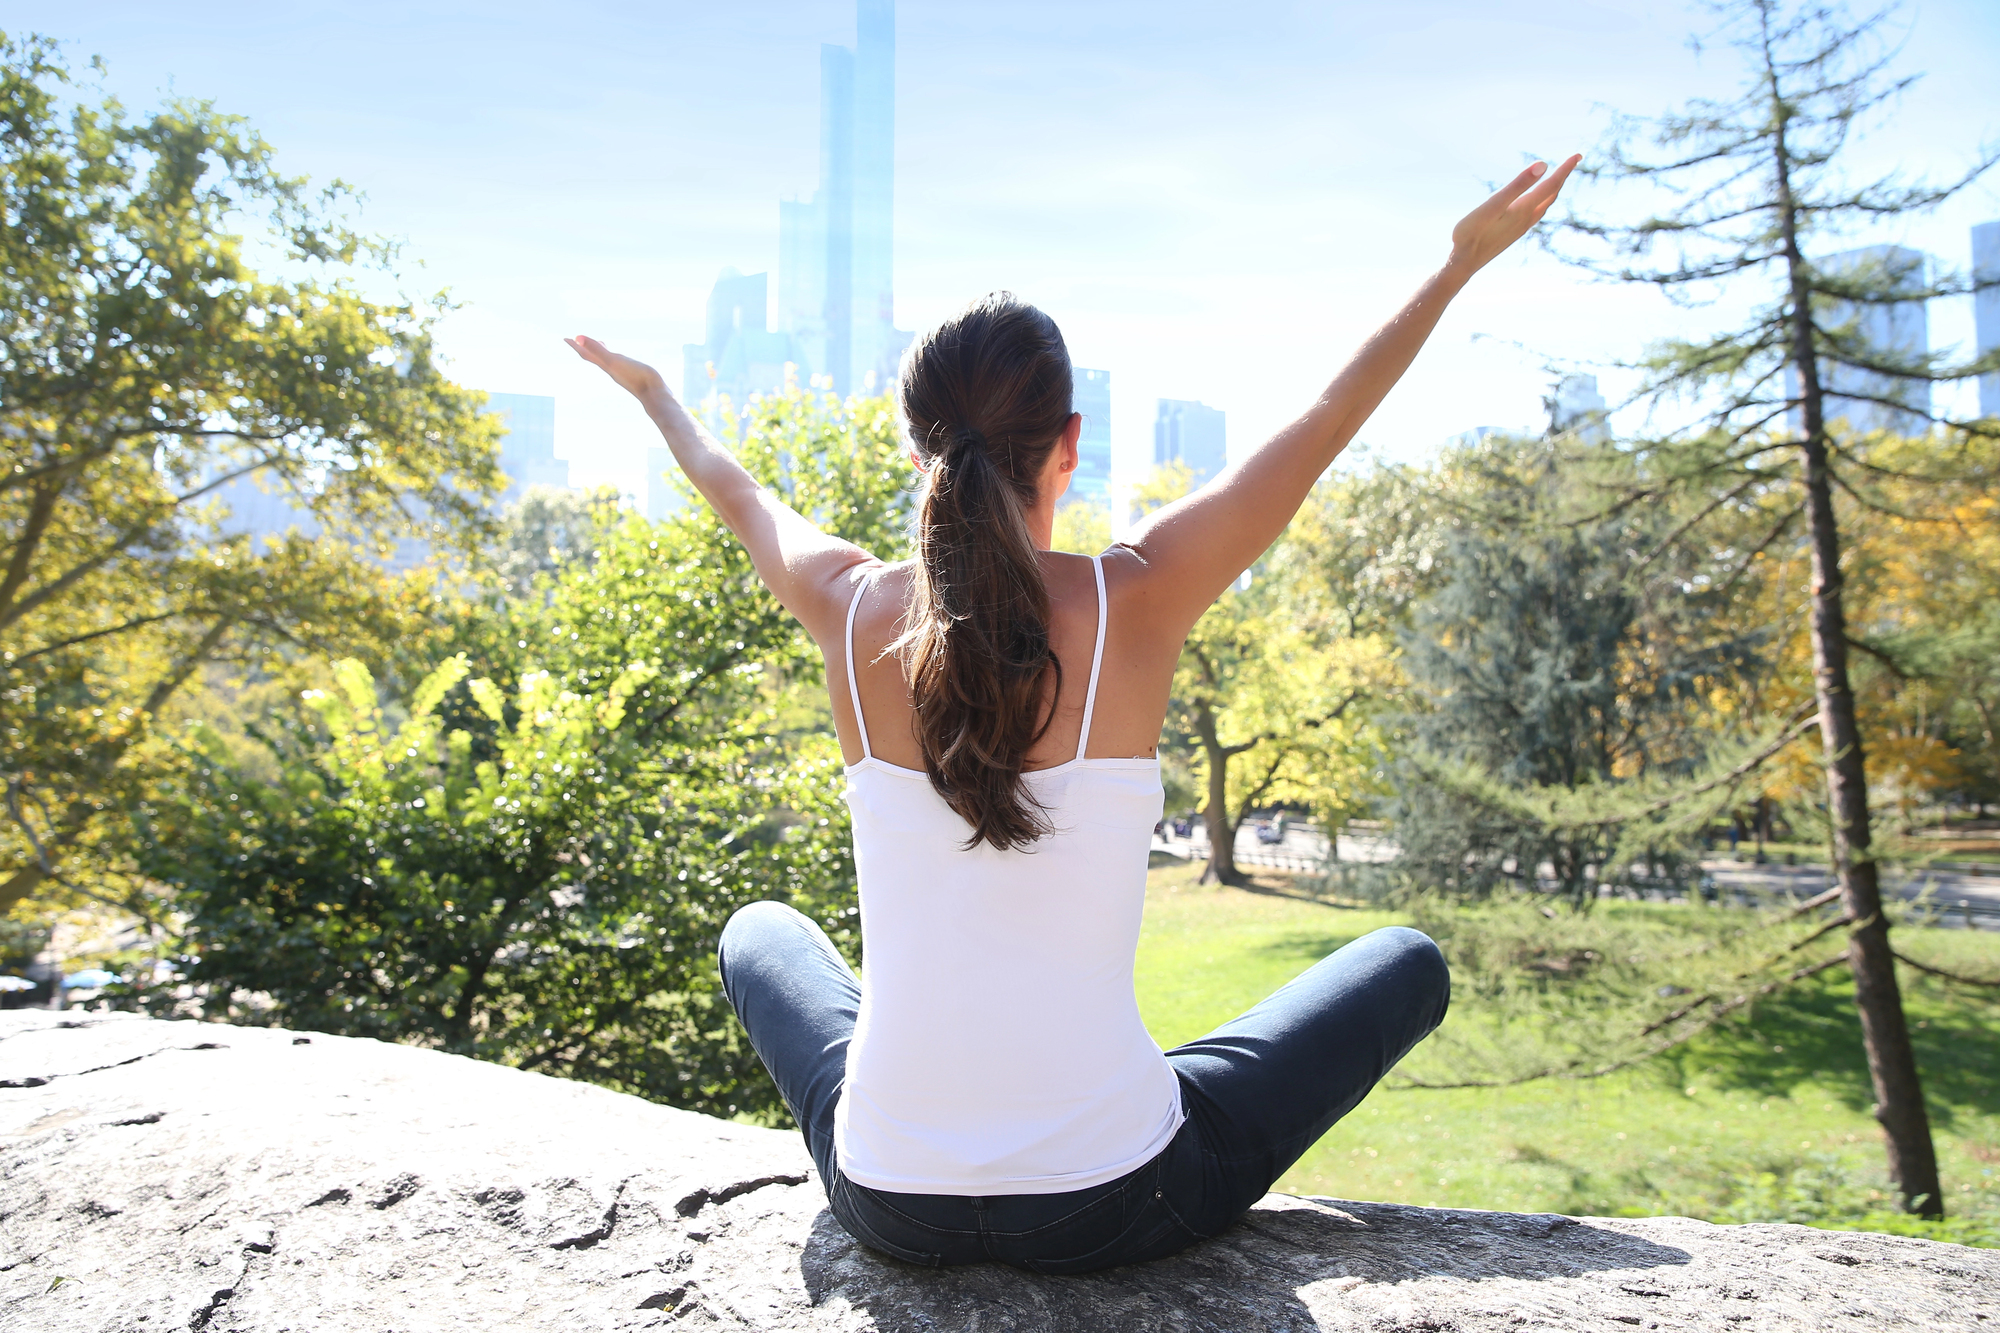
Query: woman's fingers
x=1517 y=187
x=1545 y=193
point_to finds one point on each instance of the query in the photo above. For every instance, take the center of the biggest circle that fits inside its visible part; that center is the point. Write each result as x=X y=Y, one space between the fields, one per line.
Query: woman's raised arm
x=806 y=569
x=1191 y=550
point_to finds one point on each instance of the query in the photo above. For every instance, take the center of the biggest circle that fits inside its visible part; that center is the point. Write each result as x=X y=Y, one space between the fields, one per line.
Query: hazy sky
x=1215 y=201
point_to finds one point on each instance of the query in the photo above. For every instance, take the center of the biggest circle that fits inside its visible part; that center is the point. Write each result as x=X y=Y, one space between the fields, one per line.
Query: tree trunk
x=1892 y=1064
x=1221 y=829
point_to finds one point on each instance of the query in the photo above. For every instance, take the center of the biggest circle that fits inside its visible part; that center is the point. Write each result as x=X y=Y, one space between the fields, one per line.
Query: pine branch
x=1948 y=976
x=1576 y=1069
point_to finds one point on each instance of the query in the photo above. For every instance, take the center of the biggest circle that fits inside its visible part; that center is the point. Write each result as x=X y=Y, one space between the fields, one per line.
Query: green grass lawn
x=1766 y=1118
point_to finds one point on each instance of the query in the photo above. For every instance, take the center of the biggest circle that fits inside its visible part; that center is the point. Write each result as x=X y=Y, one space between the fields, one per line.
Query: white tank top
x=999 y=1048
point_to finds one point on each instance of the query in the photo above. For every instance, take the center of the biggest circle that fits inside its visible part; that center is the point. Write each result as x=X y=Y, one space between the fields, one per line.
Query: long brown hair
x=986 y=396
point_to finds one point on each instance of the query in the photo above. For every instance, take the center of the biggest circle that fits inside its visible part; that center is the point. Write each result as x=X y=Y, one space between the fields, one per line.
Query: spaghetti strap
x=853 y=688
x=1096 y=659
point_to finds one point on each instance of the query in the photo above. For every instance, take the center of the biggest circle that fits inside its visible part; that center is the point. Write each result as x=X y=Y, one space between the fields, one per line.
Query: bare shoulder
x=1133 y=586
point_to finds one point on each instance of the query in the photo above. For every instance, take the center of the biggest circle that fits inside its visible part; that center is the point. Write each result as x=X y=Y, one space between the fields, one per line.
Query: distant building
x=662 y=498
x=1898 y=331
x=528 y=449
x=1190 y=433
x=836 y=298
x=741 y=356
x=1466 y=439
x=1986 y=309
x=259 y=508
x=1092 y=397
x=1577 y=408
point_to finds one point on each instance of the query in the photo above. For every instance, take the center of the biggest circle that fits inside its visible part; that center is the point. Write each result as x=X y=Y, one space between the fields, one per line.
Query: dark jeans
x=1258 y=1091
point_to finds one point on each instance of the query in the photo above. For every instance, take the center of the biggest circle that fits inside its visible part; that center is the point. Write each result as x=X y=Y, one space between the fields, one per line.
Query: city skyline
x=1192 y=434
x=1986 y=304
x=1211 y=211
x=1900 y=331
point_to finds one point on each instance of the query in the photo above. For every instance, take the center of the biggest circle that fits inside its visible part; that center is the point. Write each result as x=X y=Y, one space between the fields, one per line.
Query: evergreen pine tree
x=1793 y=411
x=1553 y=668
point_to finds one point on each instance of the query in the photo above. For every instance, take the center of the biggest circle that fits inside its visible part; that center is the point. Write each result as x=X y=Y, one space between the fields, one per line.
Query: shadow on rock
x=1267 y=1272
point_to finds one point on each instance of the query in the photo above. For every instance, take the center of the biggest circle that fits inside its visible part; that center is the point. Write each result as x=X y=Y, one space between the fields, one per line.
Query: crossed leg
x=1258 y=1091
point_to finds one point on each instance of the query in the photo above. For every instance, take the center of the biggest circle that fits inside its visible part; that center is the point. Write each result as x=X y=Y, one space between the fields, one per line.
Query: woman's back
x=999 y=1049
x=1135 y=669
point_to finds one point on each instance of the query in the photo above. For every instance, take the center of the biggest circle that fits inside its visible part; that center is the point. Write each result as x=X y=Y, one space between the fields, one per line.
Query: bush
x=529 y=856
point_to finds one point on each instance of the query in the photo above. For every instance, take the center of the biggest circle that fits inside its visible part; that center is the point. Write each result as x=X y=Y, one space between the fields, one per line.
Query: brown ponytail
x=985 y=396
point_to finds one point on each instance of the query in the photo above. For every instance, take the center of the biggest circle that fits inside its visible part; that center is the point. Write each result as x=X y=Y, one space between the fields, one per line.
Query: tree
x=1550 y=665
x=1747 y=190
x=1274 y=707
x=530 y=858
x=1270 y=698
x=545 y=529
x=147 y=371
x=1083 y=528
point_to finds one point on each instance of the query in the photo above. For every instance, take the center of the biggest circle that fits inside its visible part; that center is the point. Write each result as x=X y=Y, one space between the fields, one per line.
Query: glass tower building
x=1092 y=397
x=1986 y=309
x=528 y=450
x=1185 y=432
x=741 y=356
x=1896 y=333
x=836 y=297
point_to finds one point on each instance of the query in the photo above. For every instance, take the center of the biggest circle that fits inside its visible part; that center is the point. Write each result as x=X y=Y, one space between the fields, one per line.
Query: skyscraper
x=836 y=296
x=528 y=450
x=1577 y=407
x=1092 y=397
x=260 y=508
x=741 y=356
x=1986 y=309
x=1190 y=433
x=1898 y=332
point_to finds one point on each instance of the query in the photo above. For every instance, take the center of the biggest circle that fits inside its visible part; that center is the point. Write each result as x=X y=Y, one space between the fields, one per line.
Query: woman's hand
x=1505 y=217
x=635 y=377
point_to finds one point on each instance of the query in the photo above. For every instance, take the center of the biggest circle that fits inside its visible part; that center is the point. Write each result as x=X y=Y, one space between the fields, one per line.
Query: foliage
x=1165 y=484
x=1799 y=401
x=1271 y=699
x=1549 y=663
x=1273 y=706
x=530 y=857
x=545 y=529
x=1923 y=559
x=147 y=371
x=1554 y=995
x=1083 y=528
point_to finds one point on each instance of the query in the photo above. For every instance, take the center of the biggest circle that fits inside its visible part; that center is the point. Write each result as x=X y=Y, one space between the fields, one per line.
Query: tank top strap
x=1096 y=659
x=853 y=686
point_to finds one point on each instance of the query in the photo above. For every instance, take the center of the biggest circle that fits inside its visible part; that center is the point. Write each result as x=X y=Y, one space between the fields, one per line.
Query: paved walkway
x=1951 y=891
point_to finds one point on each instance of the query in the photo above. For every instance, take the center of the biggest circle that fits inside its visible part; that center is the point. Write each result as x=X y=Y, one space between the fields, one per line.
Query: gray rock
x=188 y=1176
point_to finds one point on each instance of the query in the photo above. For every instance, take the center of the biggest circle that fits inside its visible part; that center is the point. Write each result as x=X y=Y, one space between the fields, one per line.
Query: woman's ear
x=1071 y=434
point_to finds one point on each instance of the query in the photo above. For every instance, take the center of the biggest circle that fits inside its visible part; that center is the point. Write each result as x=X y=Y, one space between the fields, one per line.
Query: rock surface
x=159 y=1176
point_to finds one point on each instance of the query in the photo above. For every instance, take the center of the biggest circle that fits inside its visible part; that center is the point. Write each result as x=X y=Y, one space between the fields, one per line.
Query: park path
x=1963 y=897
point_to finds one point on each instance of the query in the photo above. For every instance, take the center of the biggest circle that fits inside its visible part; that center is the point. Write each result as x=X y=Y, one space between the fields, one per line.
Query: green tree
x=545 y=529
x=530 y=857
x=1742 y=192
x=1083 y=528
x=1274 y=707
x=146 y=368
x=1549 y=663
x=1271 y=698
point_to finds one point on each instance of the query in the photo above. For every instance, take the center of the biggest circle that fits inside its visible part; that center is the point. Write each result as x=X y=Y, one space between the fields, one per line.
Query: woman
x=989 y=1092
